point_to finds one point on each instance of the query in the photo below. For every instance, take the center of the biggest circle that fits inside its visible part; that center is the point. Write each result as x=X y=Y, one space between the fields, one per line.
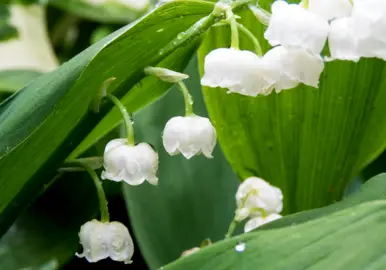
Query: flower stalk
x=126 y=118
x=105 y=217
x=187 y=98
x=252 y=38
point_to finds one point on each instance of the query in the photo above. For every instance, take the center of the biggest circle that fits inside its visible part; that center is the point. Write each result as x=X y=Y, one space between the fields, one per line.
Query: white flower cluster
x=101 y=240
x=299 y=34
x=258 y=200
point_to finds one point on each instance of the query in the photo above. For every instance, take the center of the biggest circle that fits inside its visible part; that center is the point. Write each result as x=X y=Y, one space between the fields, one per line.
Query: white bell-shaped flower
x=132 y=164
x=101 y=240
x=294 y=27
x=259 y=221
x=92 y=239
x=239 y=71
x=119 y=242
x=288 y=68
x=330 y=9
x=189 y=135
x=276 y=67
x=342 y=40
x=259 y=197
x=369 y=19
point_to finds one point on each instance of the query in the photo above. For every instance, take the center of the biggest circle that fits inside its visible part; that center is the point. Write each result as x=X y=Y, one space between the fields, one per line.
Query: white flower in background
x=31 y=49
x=294 y=27
x=239 y=71
x=369 y=19
x=101 y=240
x=138 y=5
x=330 y=9
x=189 y=135
x=342 y=40
x=132 y=164
x=259 y=221
x=288 y=68
x=259 y=197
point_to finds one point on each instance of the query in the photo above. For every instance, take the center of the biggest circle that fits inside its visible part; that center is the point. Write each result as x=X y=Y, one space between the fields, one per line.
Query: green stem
x=126 y=118
x=101 y=194
x=187 y=98
x=305 y=4
x=234 y=30
x=252 y=38
x=231 y=229
x=198 y=29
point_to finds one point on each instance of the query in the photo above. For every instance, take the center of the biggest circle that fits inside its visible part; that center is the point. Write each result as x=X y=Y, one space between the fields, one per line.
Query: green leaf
x=47 y=233
x=44 y=122
x=14 y=80
x=194 y=199
x=309 y=142
x=348 y=235
x=107 y=13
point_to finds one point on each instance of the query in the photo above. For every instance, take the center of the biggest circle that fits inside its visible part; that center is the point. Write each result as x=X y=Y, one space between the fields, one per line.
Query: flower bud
x=239 y=71
x=165 y=74
x=132 y=164
x=190 y=251
x=259 y=221
x=189 y=135
x=259 y=197
x=101 y=240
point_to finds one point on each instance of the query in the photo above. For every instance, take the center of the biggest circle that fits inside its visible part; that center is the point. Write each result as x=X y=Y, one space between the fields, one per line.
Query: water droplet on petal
x=240 y=247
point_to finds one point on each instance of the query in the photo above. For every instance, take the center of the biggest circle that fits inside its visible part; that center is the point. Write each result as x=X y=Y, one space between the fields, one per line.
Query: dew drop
x=160 y=30
x=240 y=247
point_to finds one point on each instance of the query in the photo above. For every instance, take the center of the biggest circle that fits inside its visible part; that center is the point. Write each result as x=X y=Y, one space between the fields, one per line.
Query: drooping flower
x=288 y=68
x=189 y=135
x=256 y=222
x=259 y=197
x=331 y=9
x=342 y=40
x=239 y=71
x=369 y=19
x=132 y=164
x=101 y=240
x=294 y=27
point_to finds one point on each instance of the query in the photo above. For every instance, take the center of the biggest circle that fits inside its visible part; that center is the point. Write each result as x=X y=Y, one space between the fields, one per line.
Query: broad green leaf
x=45 y=121
x=109 y=12
x=14 y=80
x=47 y=233
x=309 y=142
x=348 y=235
x=194 y=199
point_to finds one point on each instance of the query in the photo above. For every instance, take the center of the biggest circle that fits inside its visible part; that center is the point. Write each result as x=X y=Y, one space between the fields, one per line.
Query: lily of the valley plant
x=303 y=37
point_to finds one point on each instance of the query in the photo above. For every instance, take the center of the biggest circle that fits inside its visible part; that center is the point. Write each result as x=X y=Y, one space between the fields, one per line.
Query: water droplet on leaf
x=240 y=247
